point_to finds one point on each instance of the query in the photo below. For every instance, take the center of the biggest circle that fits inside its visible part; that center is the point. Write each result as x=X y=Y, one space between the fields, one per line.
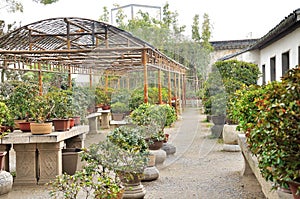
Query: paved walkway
x=199 y=169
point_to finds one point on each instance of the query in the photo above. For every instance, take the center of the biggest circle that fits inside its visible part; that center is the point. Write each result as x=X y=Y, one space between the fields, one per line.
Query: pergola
x=83 y=46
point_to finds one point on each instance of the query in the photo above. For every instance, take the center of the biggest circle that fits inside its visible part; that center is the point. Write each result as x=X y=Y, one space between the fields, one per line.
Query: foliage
x=170 y=114
x=275 y=137
x=94 y=181
x=101 y=96
x=62 y=100
x=242 y=109
x=82 y=99
x=42 y=107
x=225 y=79
x=154 y=116
x=20 y=100
x=124 y=150
x=129 y=138
x=119 y=107
x=137 y=96
x=5 y=116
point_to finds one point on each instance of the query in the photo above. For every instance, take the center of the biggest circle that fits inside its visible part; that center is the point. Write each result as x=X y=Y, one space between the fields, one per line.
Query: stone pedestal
x=26 y=164
x=169 y=148
x=134 y=191
x=230 y=137
x=160 y=156
x=6 y=182
x=105 y=116
x=49 y=161
x=93 y=123
x=151 y=172
x=216 y=131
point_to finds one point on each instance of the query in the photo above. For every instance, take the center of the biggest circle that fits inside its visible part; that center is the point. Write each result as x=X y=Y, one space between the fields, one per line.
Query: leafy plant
x=62 y=100
x=119 y=107
x=42 y=107
x=275 y=137
x=5 y=118
x=20 y=100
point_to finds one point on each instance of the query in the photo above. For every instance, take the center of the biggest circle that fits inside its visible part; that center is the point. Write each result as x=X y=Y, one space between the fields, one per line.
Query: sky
x=230 y=19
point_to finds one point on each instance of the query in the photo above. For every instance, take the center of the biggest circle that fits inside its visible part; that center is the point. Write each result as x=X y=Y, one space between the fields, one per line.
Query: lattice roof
x=79 y=45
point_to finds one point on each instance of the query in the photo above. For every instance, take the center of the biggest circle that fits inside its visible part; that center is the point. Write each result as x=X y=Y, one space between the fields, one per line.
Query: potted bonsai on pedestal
x=42 y=106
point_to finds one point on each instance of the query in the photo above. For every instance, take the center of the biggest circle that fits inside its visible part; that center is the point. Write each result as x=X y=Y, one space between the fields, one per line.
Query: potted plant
x=93 y=180
x=19 y=102
x=274 y=138
x=102 y=98
x=118 y=110
x=154 y=118
x=126 y=152
x=41 y=107
x=61 y=112
x=6 y=121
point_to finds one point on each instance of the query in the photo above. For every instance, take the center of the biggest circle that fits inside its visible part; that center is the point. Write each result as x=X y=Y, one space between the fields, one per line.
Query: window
x=285 y=57
x=273 y=68
x=263 y=70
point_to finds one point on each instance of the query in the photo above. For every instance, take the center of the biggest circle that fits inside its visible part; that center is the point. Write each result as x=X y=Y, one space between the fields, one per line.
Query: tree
x=105 y=16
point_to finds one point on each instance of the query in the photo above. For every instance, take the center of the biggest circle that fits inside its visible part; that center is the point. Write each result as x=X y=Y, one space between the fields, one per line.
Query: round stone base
x=169 y=148
x=150 y=173
x=6 y=182
x=231 y=147
x=134 y=191
x=160 y=156
x=216 y=131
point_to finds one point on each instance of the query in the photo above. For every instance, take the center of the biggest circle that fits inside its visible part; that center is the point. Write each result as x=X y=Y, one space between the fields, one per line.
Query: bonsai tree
x=19 y=101
x=6 y=121
x=119 y=107
x=94 y=181
x=42 y=107
x=275 y=137
x=62 y=100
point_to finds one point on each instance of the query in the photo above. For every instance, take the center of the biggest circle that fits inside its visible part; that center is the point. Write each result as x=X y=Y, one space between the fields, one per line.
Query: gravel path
x=198 y=170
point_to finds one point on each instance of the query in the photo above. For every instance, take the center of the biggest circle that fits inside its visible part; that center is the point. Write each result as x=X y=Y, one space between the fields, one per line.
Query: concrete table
x=105 y=117
x=93 y=122
x=39 y=157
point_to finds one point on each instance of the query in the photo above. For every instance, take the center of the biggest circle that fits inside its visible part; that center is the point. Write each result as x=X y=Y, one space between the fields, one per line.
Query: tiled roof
x=232 y=44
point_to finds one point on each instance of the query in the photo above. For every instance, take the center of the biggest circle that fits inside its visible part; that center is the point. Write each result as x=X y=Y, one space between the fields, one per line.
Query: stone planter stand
x=230 y=138
x=160 y=156
x=169 y=148
x=151 y=172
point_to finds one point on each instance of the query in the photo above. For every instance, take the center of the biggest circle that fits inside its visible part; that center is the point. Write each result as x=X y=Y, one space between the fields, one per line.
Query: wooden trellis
x=82 y=46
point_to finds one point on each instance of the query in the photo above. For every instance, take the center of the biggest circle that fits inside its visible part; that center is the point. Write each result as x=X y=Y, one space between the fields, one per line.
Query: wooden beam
x=144 y=62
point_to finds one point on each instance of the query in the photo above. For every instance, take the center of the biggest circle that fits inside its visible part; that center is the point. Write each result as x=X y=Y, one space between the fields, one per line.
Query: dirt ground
x=199 y=169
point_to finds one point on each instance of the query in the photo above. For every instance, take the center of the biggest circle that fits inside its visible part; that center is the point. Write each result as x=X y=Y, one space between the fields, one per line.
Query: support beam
x=159 y=87
x=40 y=79
x=169 y=88
x=144 y=62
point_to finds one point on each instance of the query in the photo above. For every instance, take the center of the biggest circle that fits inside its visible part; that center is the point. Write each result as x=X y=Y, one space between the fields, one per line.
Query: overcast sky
x=231 y=19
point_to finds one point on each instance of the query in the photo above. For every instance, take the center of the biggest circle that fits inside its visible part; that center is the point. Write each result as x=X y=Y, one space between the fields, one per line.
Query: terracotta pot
x=166 y=138
x=294 y=187
x=24 y=126
x=117 y=116
x=72 y=122
x=76 y=120
x=41 y=128
x=17 y=126
x=4 y=129
x=61 y=124
x=154 y=144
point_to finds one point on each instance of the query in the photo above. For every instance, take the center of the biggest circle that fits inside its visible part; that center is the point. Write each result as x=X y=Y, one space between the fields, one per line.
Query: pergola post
x=159 y=87
x=144 y=62
x=169 y=88
x=91 y=78
x=179 y=93
x=183 y=89
x=40 y=79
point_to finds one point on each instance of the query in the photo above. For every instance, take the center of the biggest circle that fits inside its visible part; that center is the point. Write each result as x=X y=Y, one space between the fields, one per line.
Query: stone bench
x=251 y=167
x=39 y=157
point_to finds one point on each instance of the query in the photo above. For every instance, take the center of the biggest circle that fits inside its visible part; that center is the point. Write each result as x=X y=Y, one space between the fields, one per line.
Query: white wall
x=289 y=43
